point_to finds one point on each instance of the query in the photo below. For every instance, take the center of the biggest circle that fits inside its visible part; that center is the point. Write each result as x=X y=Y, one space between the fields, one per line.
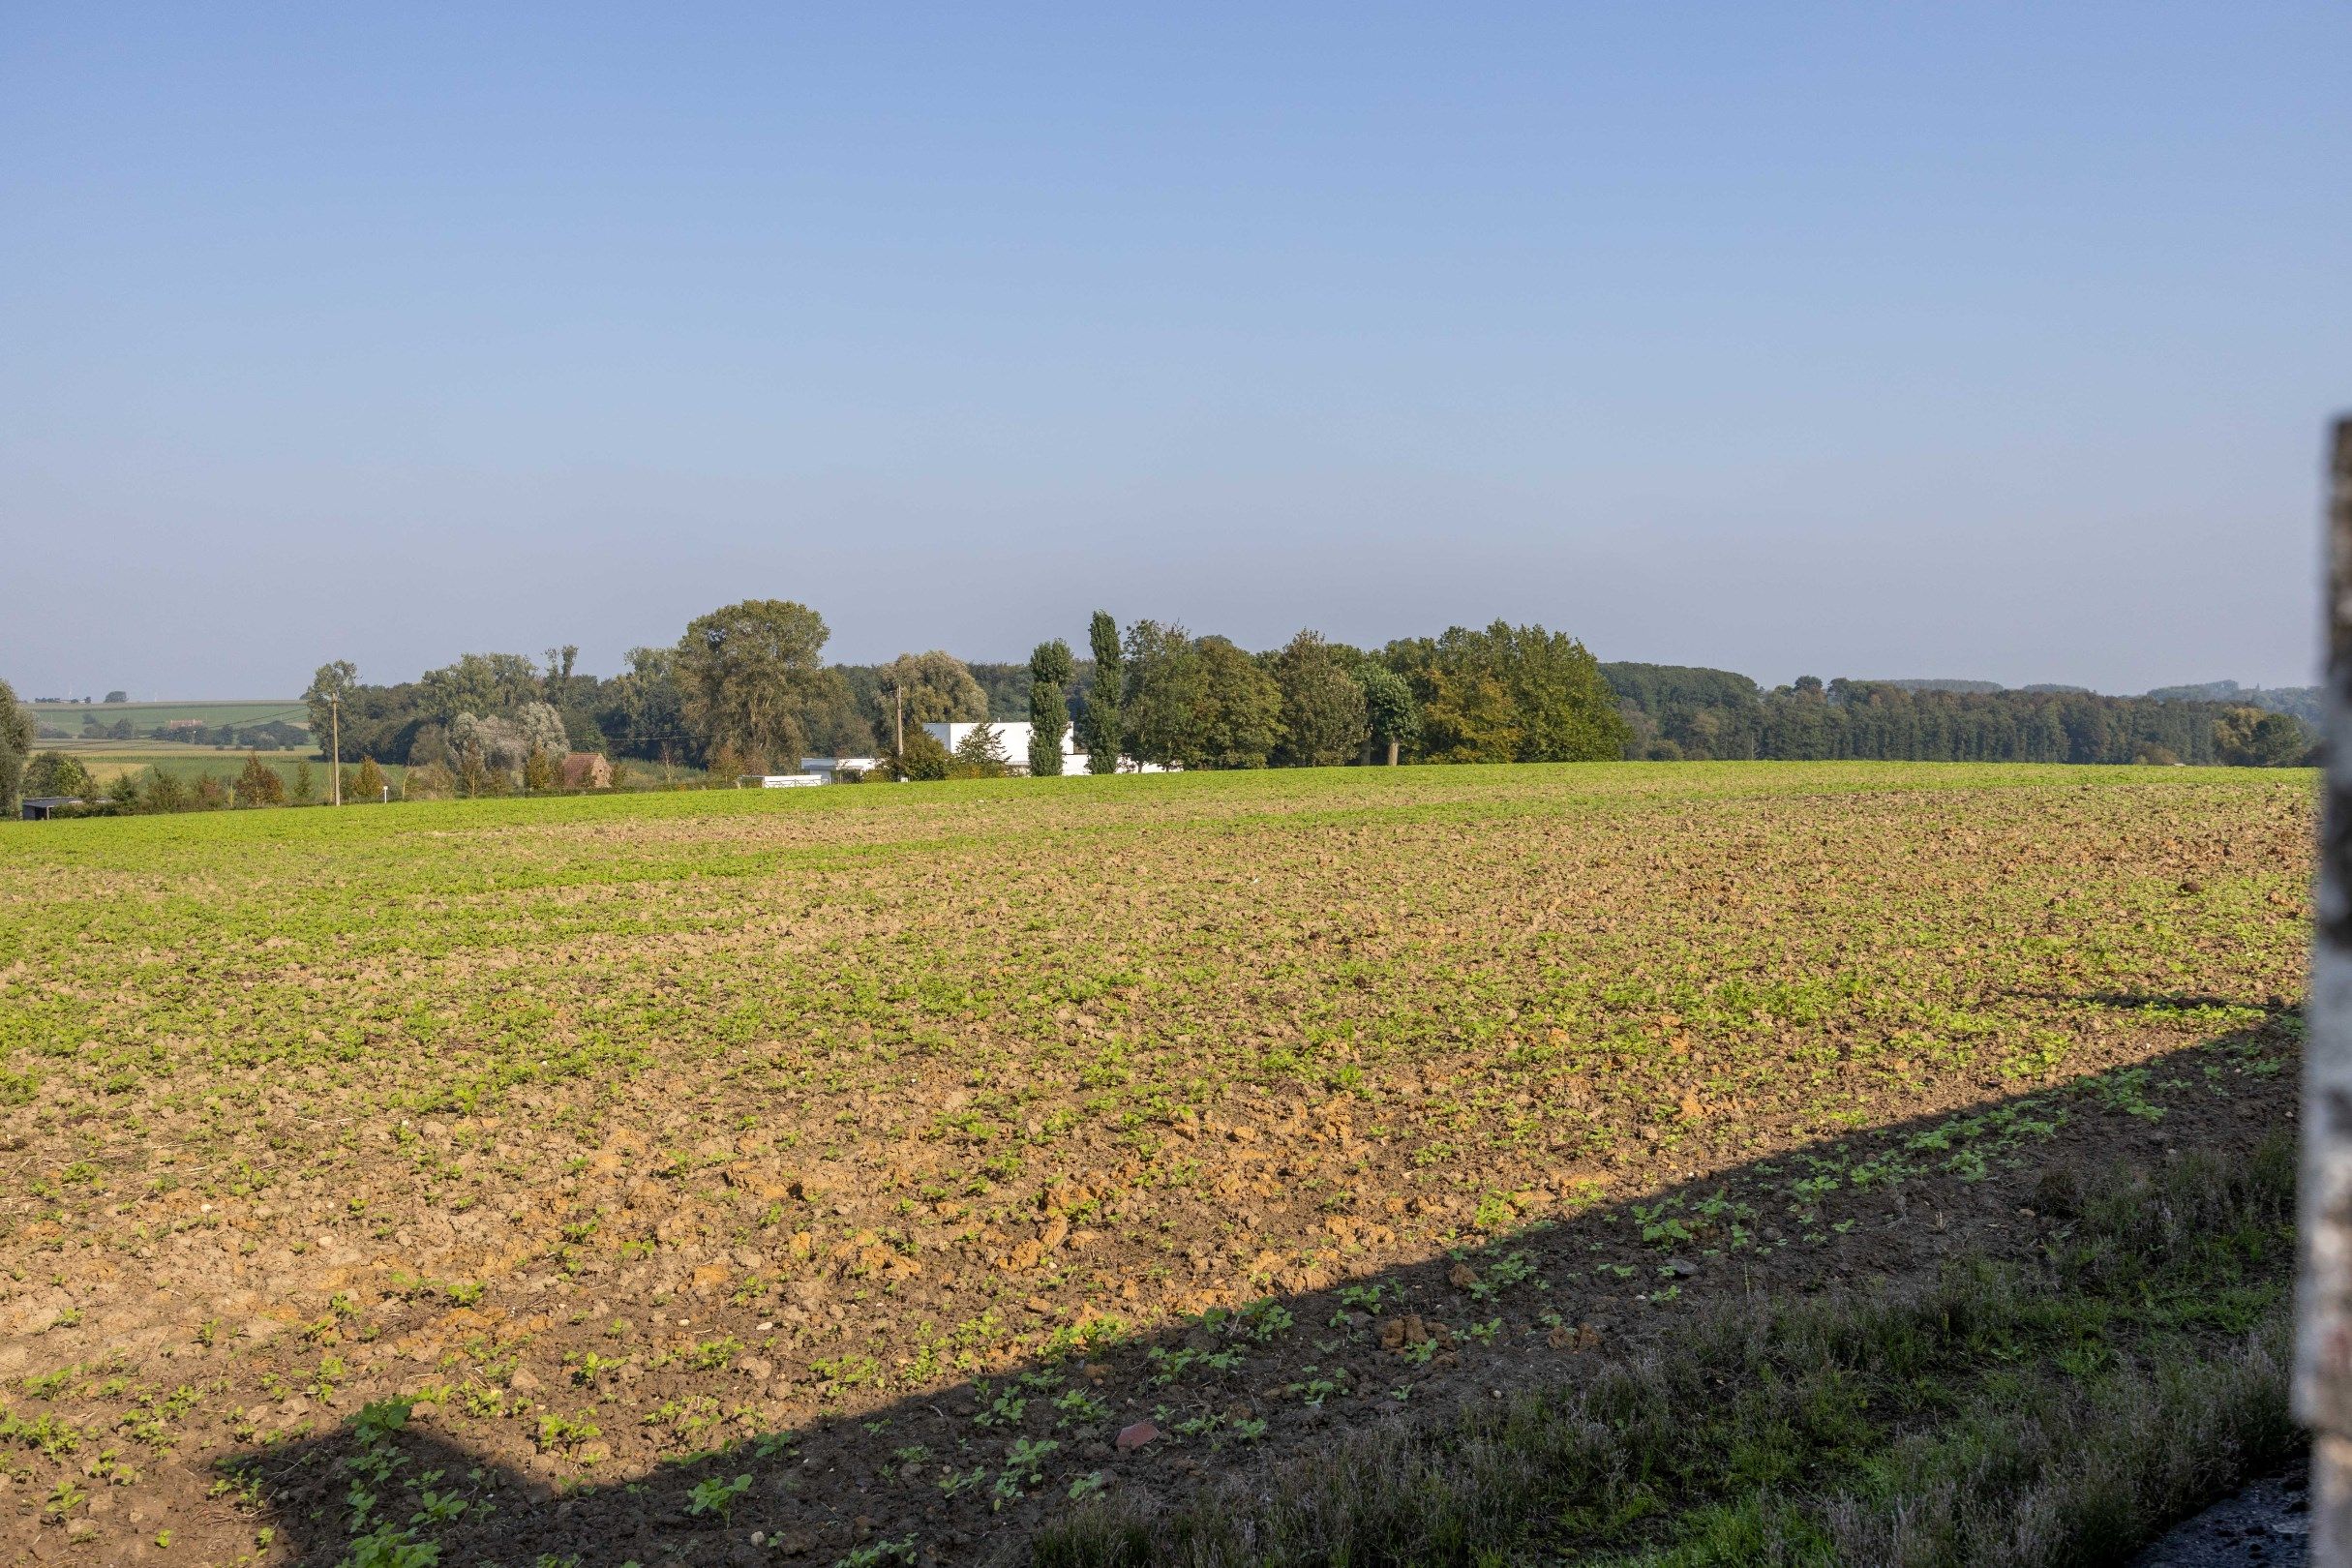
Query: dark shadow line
x=814 y=1500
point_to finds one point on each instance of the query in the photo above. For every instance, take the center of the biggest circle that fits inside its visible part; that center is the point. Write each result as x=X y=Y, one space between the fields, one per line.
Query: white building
x=1012 y=738
x=829 y=769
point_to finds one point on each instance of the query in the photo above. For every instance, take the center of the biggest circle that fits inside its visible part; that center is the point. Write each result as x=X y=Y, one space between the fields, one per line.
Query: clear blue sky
x=1988 y=339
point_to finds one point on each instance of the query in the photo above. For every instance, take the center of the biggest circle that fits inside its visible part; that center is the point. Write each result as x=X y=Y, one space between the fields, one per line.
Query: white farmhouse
x=1013 y=736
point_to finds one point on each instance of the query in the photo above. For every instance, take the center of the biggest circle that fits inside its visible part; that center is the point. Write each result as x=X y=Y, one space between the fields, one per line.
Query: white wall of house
x=829 y=767
x=1011 y=735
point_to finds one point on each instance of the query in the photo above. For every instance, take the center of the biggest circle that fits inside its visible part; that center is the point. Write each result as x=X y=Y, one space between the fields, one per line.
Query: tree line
x=1676 y=711
x=746 y=689
x=274 y=735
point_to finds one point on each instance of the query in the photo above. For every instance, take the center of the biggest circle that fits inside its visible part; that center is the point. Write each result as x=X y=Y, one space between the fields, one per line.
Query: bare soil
x=639 y=1153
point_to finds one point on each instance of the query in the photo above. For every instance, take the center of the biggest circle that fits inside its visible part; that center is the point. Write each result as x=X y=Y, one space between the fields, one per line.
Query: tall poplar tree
x=1103 y=725
x=1049 y=673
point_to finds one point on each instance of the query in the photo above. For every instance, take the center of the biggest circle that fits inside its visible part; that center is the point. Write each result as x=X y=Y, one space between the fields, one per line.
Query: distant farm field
x=945 y=1159
x=145 y=716
x=108 y=760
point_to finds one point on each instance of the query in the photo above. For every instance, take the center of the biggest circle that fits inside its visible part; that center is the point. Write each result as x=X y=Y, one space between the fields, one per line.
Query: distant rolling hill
x=144 y=716
x=2302 y=701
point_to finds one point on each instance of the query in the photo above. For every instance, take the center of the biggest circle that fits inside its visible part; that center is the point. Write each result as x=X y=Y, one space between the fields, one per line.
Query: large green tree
x=55 y=772
x=1567 y=710
x=832 y=723
x=1324 y=720
x=1196 y=702
x=1240 y=720
x=938 y=688
x=15 y=742
x=2248 y=738
x=641 y=710
x=574 y=696
x=479 y=683
x=560 y=679
x=1510 y=694
x=1163 y=705
x=1105 y=728
x=330 y=683
x=1049 y=672
x=1467 y=716
x=1389 y=710
x=748 y=673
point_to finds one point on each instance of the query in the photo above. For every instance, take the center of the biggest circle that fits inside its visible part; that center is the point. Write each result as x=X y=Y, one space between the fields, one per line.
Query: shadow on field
x=2273 y=1009
x=1543 y=1305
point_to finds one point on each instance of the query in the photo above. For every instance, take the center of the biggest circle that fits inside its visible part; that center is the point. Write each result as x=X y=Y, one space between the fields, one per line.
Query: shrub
x=53 y=773
x=923 y=759
x=430 y=782
x=162 y=792
x=725 y=765
x=258 y=784
x=980 y=755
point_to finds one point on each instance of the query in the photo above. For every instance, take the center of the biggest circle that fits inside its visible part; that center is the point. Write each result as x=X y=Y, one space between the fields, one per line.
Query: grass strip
x=2059 y=1411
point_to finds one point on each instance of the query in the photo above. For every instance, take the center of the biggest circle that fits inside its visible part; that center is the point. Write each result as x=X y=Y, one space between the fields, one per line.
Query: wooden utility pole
x=335 y=731
x=2323 y=1342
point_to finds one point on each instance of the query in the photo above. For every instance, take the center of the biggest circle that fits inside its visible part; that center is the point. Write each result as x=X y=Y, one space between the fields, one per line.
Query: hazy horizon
x=1995 y=344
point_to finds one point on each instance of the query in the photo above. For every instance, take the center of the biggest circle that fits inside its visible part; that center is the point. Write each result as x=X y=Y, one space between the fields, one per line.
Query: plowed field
x=930 y=1155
